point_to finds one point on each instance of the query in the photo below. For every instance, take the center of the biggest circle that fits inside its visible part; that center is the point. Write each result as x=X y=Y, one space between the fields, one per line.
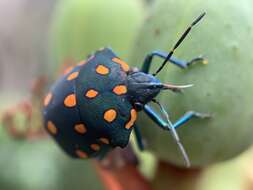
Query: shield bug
x=93 y=107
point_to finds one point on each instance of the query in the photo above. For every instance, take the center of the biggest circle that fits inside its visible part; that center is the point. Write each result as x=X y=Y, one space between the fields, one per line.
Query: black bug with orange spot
x=88 y=109
x=93 y=107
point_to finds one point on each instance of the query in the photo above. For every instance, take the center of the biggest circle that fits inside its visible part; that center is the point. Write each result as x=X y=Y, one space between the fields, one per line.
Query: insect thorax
x=142 y=87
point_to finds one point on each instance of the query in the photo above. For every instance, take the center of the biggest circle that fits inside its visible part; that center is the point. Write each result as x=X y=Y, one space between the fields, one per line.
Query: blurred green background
x=42 y=37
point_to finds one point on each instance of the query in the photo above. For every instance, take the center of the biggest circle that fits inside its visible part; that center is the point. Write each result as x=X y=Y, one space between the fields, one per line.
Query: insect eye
x=138 y=106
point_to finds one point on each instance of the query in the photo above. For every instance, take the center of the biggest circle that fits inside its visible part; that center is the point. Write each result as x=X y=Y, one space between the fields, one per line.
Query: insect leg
x=138 y=137
x=172 y=127
x=182 y=120
x=180 y=63
x=188 y=116
x=155 y=116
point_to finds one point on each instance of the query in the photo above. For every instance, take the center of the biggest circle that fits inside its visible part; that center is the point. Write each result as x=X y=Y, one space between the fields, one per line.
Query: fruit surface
x=223 y=87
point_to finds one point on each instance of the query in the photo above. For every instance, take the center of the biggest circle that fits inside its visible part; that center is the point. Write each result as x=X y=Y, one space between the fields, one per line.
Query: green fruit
x=235 y=174
x=224 y=87
x=81 y=27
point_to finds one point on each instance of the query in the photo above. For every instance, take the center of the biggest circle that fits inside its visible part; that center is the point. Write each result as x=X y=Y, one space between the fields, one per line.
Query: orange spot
x=47 y=99
x=80 y=128
x=101 y=69
x=91 y=93
x=66 y=71
x=73 y=75
x=120 y=89
x=70 y=100
x=104 y=140
x=123 y=64
x=110 y=115
x=132 y=119
x=95 y=147
x=81 y=154
x=51 y=128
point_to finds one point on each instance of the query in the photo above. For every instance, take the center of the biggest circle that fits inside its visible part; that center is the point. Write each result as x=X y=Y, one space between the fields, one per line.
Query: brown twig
x=31 y=109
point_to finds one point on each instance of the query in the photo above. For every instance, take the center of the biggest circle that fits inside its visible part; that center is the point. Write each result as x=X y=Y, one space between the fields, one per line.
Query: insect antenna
x=179 y=42
x=174 y=134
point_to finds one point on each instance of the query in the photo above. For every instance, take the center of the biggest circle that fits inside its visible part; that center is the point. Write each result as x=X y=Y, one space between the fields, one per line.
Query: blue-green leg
x=180 y=63
x=167 y=125
x=138 y=137
x=182 y=120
